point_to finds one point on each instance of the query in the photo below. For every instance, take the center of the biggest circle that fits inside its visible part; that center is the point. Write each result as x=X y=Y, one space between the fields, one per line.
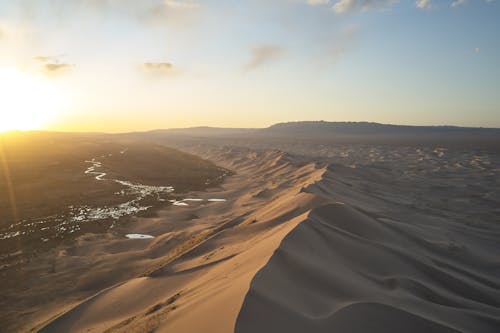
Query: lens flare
x=27 y=102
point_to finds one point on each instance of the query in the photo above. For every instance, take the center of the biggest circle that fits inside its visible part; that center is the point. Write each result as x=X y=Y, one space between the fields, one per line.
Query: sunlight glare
x=27 y=102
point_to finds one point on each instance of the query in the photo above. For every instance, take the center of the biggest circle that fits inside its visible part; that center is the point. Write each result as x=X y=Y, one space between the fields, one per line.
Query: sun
x=27 y=102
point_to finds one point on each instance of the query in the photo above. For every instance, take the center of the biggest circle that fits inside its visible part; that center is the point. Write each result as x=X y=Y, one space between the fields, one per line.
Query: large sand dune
x=344 y=271
x=296 y=247
x=206 y=251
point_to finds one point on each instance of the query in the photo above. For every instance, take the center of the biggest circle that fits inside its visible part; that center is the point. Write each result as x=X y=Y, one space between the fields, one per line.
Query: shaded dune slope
x=344 y=271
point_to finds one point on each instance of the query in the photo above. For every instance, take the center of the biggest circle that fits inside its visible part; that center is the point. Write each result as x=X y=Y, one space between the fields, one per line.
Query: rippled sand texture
x=458 y=183
x=342 y=270
x=409 y=243
x=307 y=238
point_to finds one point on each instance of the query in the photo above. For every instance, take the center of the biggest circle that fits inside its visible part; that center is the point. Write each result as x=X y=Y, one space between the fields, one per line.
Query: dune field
x=289 y=242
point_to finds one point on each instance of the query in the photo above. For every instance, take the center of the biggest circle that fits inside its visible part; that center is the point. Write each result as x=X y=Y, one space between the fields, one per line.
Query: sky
x=130 y=65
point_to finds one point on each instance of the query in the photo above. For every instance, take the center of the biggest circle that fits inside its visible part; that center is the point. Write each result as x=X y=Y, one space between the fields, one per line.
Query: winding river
x=69 y=222
x=137 y=191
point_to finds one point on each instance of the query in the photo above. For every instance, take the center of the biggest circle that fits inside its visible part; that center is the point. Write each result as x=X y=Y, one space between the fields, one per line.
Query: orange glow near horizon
x=28 y=102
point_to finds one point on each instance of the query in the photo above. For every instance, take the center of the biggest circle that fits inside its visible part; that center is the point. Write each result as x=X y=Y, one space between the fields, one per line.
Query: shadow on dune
x=344 y=271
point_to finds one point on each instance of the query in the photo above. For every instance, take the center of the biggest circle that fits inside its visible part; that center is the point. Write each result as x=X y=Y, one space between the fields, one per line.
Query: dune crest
x=303 y=247
x=342 y=270
x=208 y=276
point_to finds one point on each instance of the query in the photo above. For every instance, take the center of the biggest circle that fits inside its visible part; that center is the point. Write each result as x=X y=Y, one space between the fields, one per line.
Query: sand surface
x=292 y=244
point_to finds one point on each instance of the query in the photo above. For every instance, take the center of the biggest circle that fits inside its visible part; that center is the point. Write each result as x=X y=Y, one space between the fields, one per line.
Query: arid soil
x=56 y=186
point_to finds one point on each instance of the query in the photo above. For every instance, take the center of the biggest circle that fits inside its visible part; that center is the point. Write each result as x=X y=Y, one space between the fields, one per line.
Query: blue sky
x=143 y=64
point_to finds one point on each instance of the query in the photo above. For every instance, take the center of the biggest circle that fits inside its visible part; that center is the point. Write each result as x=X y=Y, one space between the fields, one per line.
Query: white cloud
x=423 y=4
x=343 y=6
x=181 y=4
x=318 y=2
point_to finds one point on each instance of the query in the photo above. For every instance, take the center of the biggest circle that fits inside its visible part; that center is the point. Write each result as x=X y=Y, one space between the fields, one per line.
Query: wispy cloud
x=423 y=4
x=264 y=54
x=336 y=47
x=58 y=67
x=343 y=42
x=126 y=5
x=174 y=13
x=166 y=12
x=317 y=2
x=182 y=4
x=46 y=59
x=158 y=68
x=343 y=6
x=53 y=65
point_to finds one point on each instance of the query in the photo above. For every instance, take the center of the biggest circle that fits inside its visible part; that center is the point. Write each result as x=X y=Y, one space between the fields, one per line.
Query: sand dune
x=211 y=258
x=344 y=271
x=296 y=247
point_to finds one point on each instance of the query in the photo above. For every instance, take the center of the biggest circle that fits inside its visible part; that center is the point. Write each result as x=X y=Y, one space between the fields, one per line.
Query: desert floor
x=389 y=240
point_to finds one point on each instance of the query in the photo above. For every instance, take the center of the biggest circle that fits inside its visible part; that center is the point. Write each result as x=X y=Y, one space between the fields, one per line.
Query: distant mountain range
x=330 y=129
x=335 y=132
x=324 y=128
x=204 y=131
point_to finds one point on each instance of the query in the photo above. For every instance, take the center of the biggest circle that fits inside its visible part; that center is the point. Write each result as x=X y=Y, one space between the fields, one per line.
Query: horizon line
x=243 y=128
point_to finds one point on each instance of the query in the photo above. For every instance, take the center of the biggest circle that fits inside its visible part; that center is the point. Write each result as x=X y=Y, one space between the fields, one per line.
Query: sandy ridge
x=206 y=266
x=308 y=248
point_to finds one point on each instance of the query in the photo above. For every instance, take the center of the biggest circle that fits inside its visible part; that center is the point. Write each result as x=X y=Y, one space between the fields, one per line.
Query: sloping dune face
x=389 y=253
x=297 y=246
x=344 y=271
x=200 y=275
